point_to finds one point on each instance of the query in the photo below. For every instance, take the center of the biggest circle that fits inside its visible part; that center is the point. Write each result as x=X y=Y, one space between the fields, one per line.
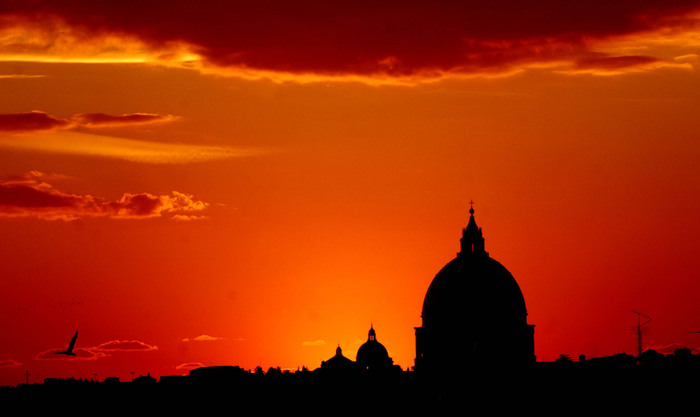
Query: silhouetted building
x=473 y=313
x=218 y=373
x=148 y=379
x=372 y=355
x=338 y=364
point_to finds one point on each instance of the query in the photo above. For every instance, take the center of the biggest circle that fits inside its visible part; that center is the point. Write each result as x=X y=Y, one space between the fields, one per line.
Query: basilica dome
x=473 y=312
x=471 y=289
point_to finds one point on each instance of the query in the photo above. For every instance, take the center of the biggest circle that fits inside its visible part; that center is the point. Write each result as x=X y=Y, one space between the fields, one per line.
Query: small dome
x=372 y=355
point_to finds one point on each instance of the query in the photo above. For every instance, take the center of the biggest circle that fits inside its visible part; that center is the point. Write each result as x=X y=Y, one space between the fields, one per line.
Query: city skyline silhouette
x=256 y=184
x=468 y=306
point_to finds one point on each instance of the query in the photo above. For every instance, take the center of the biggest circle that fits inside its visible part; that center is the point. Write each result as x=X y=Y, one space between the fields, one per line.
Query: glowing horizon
x=248 y=185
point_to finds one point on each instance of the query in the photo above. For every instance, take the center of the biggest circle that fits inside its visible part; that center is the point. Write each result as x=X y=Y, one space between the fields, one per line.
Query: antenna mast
x=639 y=331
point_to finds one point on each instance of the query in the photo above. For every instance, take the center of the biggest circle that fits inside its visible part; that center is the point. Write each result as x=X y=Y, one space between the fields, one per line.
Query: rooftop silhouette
x=474 y=347
x=586 y=384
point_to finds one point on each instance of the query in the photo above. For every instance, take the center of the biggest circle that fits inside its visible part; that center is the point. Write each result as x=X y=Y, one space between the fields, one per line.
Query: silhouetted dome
x=471 y=289
x=473 y=311
x=372 y=355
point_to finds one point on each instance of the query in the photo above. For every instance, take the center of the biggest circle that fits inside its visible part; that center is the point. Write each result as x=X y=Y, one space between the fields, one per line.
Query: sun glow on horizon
x=236 y=192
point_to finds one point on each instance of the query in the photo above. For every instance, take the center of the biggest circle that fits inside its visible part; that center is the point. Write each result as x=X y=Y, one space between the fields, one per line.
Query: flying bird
x=69 y=351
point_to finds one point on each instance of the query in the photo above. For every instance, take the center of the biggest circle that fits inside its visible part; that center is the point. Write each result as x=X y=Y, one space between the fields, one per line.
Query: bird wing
x=72 y=342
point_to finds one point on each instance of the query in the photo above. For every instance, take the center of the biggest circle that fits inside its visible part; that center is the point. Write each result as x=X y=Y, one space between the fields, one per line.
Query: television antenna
x=639 y=325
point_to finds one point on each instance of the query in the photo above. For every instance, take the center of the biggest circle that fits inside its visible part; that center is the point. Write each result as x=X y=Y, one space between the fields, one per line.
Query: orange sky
x=210 y=184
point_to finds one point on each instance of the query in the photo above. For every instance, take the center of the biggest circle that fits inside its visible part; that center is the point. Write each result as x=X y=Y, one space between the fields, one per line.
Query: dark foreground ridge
x=616 y=383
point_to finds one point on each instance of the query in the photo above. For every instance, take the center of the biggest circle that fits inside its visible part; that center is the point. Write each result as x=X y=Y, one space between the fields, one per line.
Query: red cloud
x=189 y=366
x=80 y=354
x=203 y=338
x=9 y=363
x=34 y=120
x=123 y=345
x=370 y=37
x=30 y=196
x=99 y=351
x=671 y=348
x=101 y=119
x=37 y=120
x=148 y=205
x=615 y=62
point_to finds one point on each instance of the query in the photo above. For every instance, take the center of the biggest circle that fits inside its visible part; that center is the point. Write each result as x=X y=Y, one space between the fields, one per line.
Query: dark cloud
x=370 y=36
x=31 y=196
x=37 y=120
x=30 y=121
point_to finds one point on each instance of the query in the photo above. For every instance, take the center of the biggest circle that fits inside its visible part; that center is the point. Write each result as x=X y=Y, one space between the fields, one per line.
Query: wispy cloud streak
x=100 y=351
x=37 y=120
x=40 y=132
x=203 y=338
x=9 y=363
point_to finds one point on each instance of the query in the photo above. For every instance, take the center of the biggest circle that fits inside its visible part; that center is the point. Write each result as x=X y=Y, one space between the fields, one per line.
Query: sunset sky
x=255 y=183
